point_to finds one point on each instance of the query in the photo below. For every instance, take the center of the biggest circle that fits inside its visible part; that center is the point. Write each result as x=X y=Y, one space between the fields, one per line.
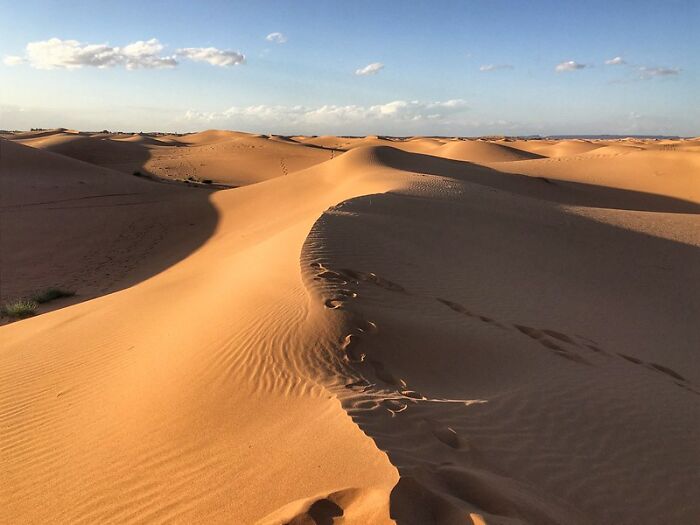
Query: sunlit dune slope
x=236 y=160
x=481 y=151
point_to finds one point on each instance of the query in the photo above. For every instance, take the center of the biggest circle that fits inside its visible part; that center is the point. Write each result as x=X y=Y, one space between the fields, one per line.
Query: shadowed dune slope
x=72 y=225
x=118 y=155
x=386 y=336
x=486 y=362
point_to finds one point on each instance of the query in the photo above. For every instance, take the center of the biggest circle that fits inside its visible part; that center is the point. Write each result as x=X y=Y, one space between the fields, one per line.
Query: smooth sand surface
x=367 y=330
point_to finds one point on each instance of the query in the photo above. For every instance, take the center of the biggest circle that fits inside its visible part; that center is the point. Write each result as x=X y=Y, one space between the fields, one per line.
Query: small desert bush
x=52 y=293
x=20 y=308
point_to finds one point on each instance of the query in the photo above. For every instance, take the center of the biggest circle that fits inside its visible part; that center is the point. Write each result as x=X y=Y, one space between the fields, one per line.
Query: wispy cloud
x=617 y=61
x=653 y=72
x=277 y=38
x=71 y=54
x=213 y=56
x=400 y=112
x=13 y=60
x=55 y=53
x=370 y=69
x=569 y=65
x=494 y=67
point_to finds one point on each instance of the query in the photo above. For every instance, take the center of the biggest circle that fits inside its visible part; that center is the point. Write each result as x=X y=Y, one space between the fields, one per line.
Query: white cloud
x=494 y=67
x=13 y=60
x=277 y=38
x=404 y=114
x=617 y=61
x=213 y=56
x=370 y=69
x=651 y=72
x=146 y=54
x=71 y=54
x=569 y=65
x=142 y=54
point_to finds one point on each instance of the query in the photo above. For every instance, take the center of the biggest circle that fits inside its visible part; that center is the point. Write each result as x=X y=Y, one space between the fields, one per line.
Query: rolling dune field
x=349 y=330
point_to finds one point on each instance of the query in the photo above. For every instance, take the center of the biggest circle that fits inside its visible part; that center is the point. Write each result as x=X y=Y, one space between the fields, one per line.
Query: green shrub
x=20 y=308
x=52 y=293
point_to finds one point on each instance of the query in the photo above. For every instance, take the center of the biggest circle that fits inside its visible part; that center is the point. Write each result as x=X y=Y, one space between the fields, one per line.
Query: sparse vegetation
x=51 y=294
x=19 y=309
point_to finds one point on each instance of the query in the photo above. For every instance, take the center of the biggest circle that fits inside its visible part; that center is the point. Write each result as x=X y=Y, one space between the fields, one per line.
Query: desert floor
x=333 y=330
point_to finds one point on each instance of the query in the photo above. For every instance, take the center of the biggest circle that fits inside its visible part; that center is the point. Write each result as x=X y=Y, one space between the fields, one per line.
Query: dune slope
x=226 y=157
x=72 y=225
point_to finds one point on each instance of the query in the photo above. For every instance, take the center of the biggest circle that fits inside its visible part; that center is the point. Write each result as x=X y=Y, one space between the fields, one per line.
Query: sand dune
x=480 y=151
x=226 y=157
x=236 y=160
x=418 y=331
x=113 y=154
x=141 y=139
x=549 y=148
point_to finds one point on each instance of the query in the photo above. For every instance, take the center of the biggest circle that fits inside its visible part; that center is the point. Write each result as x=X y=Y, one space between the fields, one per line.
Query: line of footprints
x=560 y=344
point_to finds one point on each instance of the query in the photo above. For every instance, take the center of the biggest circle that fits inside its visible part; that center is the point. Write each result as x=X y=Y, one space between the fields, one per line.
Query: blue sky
x=450 y=67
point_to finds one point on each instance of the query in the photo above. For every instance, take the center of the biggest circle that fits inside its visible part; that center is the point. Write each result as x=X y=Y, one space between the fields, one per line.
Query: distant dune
x=364 y=330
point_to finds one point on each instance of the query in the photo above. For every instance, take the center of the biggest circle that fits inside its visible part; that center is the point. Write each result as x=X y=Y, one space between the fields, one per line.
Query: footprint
x=332 y=276
x=360 y=384
x=595 y=348
x=368 y=327
x=444 y=434
x=333 y=303
x=372 y=278
x=550 y=344
x=529 y=331
x=560 y=336
x=383 y=374
x=667 y=371
x=394 y=405
x=658 y=368
x=324 y=512
x=454 y=306
x=413 y=395
x=349 y=346
x=631 y=359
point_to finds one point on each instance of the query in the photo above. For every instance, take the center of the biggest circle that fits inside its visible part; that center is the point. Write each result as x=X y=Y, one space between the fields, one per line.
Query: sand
x=363 y=330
